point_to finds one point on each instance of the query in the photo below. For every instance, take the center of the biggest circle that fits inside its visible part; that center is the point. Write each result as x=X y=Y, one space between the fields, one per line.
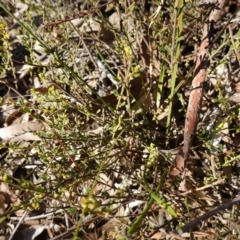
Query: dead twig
x=187 y=227
x=80 y=15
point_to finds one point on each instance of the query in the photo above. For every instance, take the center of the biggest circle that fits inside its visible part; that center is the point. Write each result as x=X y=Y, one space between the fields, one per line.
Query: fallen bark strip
x=195 y=98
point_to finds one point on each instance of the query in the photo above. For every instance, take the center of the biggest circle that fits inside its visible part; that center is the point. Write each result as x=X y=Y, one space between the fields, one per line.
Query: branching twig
x=80 y=15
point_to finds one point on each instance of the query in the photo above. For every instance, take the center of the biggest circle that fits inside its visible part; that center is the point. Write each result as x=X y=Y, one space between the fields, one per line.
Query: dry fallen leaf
x=2 y=204
x=20 y=131
x=7 y=112
x=32 y=232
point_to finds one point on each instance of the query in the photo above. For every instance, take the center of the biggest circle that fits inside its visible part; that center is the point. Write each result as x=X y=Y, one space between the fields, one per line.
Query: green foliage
x=108 y=101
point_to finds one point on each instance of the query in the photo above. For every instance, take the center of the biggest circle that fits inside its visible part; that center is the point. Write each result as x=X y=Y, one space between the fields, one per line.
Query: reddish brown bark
x=195 y=98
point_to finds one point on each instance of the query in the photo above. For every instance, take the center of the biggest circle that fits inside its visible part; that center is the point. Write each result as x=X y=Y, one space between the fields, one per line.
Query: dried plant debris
x=119 y=119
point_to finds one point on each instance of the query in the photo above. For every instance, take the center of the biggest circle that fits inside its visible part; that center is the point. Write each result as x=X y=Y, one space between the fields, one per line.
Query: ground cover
x=98 y=103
